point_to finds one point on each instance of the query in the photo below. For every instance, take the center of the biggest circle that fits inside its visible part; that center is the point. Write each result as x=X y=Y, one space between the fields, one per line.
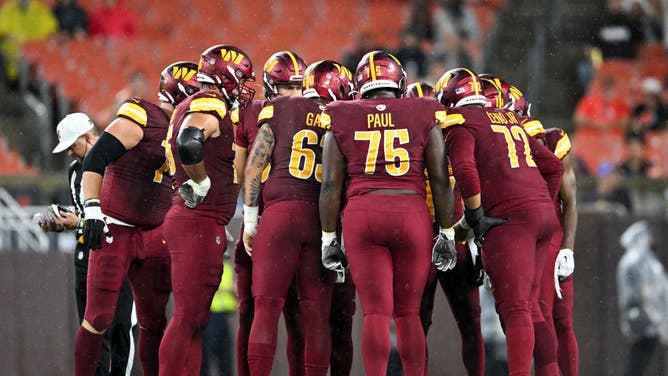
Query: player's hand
x=565 y=264
x=94 y=228
x=248 y=242
x=193 y=193
x=332 y=256
x=480 y=224
x=444 y=253
x=47 y=222
x=251 y=218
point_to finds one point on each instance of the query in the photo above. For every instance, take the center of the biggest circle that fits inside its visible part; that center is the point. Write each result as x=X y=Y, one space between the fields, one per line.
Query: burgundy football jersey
x=296 y=161
x=383 y=140
x=246 y=123
x=558 y=142
x=220 y=201
x=135 y=189
x=492 y=154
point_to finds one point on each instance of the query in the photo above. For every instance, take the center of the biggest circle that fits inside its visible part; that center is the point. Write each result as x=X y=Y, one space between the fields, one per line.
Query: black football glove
x=444 y=253
x=334 y=259
x=480 y=224
x=94 y=227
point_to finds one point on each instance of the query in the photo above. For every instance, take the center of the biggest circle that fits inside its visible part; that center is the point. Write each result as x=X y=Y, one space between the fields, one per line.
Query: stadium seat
x=595 y=147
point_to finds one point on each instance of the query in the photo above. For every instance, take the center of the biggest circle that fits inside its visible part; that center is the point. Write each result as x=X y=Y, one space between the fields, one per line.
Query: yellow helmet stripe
x=294 y=62
x=476 y=84
x=372 y=67
x=419 y=90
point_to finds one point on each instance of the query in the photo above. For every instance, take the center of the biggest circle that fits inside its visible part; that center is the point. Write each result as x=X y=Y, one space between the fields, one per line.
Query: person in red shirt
x=114 y=19
x=602 y=111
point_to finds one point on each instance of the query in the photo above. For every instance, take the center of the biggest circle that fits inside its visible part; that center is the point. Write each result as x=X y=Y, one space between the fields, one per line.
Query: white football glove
x=444 y=253
x=193 y=193
x=565 y=264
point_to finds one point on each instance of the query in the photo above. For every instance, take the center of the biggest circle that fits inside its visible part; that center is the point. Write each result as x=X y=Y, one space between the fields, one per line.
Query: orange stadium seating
x=91 y=71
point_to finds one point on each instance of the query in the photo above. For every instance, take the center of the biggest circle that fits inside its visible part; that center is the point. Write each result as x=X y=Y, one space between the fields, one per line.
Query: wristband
x=202 y=188
x=251 y=214
x=448 y=232
x=463 y=224
x=327 y=237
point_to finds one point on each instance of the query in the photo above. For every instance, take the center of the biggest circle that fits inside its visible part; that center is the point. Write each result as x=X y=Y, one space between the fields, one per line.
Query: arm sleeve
x=549 y=165
x=460 y=147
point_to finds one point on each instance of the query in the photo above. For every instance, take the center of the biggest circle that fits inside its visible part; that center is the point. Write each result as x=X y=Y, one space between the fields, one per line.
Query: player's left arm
x=549 y=165
x=259 y=158
x=565 y=264
x=567 y=194
x=196 y=128
x=460 y=146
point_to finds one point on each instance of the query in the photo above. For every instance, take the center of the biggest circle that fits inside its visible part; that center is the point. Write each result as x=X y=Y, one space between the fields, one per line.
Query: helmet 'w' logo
x=183 y=73
x=233 y=56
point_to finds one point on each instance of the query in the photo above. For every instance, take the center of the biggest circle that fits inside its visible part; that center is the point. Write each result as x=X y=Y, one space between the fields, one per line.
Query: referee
x=77 y=135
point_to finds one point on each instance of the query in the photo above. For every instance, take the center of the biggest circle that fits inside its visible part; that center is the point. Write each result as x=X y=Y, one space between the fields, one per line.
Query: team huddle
x=351 y=183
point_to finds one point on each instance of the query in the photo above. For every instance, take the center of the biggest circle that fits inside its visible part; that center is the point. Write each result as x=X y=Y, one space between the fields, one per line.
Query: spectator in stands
x=603 y=111
x=617 y=35
x=642 y=13
x=649 y=114
x=412 y=57
x=114 y=20
x=456 y=33
x=72 y=19
x=22 y=21
x=137 y=87
x=663 y=101
x=364 y=44
x=420 y=22
x=611 y=193
x=635 y=165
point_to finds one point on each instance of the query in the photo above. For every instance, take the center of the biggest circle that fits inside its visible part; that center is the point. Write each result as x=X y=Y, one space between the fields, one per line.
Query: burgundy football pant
x=558 y=313
x=563 y=322
x=142 y=256
x=514 y=256
x=288 y=243
x=243 y=267
x=341 y=326
x=388 y=243
x=196 y=245
x=464 y=300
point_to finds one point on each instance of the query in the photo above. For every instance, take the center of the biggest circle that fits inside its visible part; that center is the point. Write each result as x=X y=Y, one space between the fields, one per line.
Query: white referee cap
x=71 y=128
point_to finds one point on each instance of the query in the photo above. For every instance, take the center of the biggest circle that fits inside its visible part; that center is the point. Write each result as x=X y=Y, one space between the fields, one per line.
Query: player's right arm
x=120 y=136
x=329 y=203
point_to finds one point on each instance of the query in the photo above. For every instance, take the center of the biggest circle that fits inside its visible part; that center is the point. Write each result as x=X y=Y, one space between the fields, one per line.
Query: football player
x=202 y=134
x=460 y=284
x=557 y=275
x=382 y=144
x=77 y=135
x=286 y=243
x=281 y=76
x=503 y=174
x=122 y=217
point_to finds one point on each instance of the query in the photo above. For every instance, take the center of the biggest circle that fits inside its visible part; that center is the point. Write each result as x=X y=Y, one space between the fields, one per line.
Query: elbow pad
x=190 y=145
x=106 y=150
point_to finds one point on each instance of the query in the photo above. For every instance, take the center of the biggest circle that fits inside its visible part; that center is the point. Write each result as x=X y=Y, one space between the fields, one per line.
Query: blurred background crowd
x=597 y=69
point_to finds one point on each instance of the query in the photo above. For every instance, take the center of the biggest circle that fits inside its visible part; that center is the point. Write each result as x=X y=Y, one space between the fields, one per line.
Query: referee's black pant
x=116 y=349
